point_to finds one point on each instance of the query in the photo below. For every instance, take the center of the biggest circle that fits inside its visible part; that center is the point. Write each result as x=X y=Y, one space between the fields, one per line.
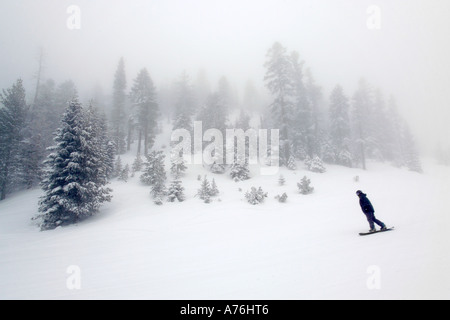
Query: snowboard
x=378 y=231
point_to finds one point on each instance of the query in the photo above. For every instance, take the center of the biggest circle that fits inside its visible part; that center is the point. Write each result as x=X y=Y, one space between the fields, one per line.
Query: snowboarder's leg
x=378 y=222
x=370 y=218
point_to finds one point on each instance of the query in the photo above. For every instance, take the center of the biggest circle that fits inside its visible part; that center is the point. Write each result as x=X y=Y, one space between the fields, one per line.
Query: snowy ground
x=307 y=248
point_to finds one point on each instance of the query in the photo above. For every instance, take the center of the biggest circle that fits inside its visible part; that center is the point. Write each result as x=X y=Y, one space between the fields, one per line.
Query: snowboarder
x=368 y=210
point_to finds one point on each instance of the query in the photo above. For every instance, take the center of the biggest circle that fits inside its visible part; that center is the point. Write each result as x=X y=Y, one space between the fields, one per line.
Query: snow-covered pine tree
x=243 y=121
x=137 y=164
x=315 y=164
x=75 y=182
x=184 y=104
x=110 y=158
x=153 y=168
x=96 y=150
x=239 y=170
x=345 y=158
x=204 y=193
x=158 y=189
x=302 y=124
x=44 y=116
x=218 y=165
x=96 y=125
x=176 y=191
x=55 y=106
x=315 y=134
x=118 y=167
x=64 y=93
x=217 y=168
x=291 y=164
x=282 y=198
x=214 y=189
x=328 y=149
x=214 y=114
x=146 y=111
x=340 y=128
x=125 y=173
x=177 y=163
x=255 y=196
x=155 y=176
x=305 y=186
x=12 y=120
x=278 y=80
x=183 y=121
x=42 y=121
x=118 y=115
x=32 y=153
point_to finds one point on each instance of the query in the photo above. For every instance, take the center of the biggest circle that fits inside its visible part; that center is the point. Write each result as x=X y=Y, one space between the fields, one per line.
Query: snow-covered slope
x=305 y=248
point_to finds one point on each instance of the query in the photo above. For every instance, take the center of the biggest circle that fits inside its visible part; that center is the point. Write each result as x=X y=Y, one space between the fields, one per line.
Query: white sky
x=407 y=57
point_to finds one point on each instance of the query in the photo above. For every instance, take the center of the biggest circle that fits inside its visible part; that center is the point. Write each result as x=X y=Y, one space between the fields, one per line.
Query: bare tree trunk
x=130 y=132
x=146 y=140
x=139 y=142
x=38 y=81
x=4 y=182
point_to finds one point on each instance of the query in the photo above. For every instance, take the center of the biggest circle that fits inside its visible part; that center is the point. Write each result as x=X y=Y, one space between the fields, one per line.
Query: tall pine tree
x=13 y=112
x=340 y=129
x=155 y=175
x=361 y=119
x=143 y=97
x=75 y=182
x=315 y=132
x=184 y=104
x=118 y=115
x=301 y=127
x=278 y=80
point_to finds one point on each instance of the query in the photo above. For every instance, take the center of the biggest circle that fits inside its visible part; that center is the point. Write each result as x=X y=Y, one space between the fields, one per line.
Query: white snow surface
x=306 y=248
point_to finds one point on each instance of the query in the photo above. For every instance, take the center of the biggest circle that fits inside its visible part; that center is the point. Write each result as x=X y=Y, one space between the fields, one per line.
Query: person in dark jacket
x=368 y=210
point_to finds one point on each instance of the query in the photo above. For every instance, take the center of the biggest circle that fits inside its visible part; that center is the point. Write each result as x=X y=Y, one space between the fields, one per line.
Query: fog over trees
x=332 y=79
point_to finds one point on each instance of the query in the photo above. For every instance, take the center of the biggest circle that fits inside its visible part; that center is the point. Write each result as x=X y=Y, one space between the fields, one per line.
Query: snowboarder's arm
x=366 y=206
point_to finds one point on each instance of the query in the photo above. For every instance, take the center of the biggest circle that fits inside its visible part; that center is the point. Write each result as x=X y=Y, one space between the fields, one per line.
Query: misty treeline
x=40 y=144
x=27 y=130
x=345 y=130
